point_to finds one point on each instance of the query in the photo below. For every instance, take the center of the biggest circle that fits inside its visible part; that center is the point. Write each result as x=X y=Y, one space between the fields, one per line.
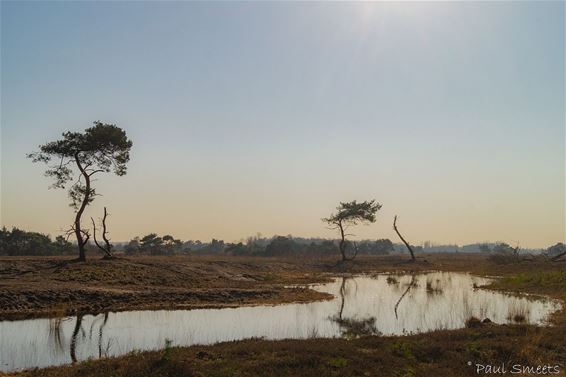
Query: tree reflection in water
x=100 y=331
x=411 y=285
x=78 y=328
x=55 y=333
x=353 y=327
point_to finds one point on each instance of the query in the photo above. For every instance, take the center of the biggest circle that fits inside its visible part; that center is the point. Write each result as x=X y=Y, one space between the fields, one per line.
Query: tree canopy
x=352 y=213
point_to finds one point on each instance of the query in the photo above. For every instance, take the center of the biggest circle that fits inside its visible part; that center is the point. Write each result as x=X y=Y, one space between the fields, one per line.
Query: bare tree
x=402 y=239
x=107 y=247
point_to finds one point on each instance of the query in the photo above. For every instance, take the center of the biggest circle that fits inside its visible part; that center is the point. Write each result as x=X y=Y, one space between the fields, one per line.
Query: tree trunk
x=343 y=245
x=402 y=239
x=106 y=241
x=342 y=242
x=78 y=232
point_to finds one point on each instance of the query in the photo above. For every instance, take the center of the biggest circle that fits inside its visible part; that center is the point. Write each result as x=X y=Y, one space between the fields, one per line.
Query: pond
x=362 y=305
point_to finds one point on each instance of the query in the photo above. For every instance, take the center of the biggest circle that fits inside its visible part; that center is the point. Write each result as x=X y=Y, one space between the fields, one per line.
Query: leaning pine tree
x=349 y=214
x=103 y=148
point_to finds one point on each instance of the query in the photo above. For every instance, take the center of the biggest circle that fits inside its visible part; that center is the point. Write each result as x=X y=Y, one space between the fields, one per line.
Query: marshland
x=134 y=310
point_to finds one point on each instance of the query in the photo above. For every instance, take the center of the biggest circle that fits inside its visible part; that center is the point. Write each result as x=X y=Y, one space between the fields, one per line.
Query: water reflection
x=100 y=331
x=384 y=304
x=409 y=286
x=78 y=328
x=342 y=296
x=55 y=333
x=352 y=327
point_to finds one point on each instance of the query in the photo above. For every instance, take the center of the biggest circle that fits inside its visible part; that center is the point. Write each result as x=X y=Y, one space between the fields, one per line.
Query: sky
x=260 y=117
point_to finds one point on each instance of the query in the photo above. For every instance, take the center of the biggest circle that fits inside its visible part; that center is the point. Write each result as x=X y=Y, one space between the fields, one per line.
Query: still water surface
x=383 y=305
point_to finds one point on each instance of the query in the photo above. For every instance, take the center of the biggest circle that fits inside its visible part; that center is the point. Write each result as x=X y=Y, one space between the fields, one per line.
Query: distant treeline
x=289 y=245
x=481 y=247
x=18 y=242
x=252 y=246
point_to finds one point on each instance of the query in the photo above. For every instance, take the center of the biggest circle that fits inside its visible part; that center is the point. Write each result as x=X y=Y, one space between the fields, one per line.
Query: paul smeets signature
x=487 y=369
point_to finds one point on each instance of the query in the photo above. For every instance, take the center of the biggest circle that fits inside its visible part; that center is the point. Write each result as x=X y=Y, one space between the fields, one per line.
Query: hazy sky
x=260 y=117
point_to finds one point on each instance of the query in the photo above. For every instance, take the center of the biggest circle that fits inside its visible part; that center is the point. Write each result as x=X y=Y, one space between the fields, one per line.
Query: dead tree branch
x=402 y=239
x=104 y=231
x=356 y=250
x=107 y=247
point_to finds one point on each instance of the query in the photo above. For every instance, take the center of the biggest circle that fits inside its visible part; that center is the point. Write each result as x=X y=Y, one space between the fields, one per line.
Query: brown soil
x=39 y=287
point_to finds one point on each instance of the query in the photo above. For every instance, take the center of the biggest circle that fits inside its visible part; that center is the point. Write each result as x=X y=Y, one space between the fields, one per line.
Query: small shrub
x=430 y=289
x=402 y=349
x=167 y=350
x=473 y=322
x=407 y=371
x=475 y=350
x=338 y=362
x=353 y=328
x=519 y=318
x=518 y=314
x=392 y=280
x=502 y=258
